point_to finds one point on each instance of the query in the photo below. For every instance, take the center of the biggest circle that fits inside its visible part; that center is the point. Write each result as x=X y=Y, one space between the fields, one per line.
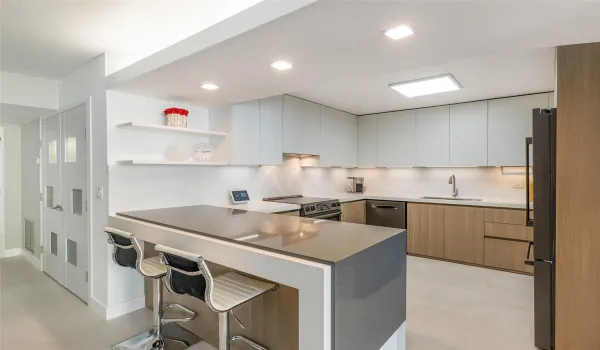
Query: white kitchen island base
x=397 y=341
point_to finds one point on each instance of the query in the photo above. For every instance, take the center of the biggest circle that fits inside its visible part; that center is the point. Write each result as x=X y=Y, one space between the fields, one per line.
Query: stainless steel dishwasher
x=386 y=214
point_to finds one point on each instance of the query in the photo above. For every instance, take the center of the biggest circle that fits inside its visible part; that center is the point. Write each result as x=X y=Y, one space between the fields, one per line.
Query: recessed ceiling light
x=209 y=86
x=281 y=65
x=427 y=86
x=399 y=32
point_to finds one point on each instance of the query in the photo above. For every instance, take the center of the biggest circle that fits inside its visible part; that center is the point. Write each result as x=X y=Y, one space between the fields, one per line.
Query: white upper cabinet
x=433 y=136
x=396 y=139
x=245 y=133
x=301 y=126
x=255 y=131
x=271 y=130
x=509 y=123
x=339 y=138
x=367 y=141
x=468 y=134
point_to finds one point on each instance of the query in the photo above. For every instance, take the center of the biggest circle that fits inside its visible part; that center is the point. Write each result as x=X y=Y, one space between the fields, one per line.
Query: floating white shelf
x=166 y=162
x=171 y=129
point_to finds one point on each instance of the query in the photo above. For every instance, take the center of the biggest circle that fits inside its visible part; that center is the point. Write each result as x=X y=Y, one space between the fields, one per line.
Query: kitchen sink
x=455 y=199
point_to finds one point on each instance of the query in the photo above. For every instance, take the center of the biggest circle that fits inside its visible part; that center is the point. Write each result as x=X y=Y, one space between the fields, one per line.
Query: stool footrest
x=248 y=341
x=191 y=314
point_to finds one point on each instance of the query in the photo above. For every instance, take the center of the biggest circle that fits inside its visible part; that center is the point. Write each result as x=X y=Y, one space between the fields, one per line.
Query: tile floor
x=450 y=307
x=37 y=313
x=458 y=307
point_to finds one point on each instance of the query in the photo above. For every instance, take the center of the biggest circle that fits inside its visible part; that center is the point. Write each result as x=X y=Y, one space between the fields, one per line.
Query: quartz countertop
x=263 y=206
x=318 y=240
x=349 y=197
x=275 y=207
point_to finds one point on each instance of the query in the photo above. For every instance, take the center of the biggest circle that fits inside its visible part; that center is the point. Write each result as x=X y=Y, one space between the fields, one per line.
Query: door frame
x=2 y=193
x=89 y=189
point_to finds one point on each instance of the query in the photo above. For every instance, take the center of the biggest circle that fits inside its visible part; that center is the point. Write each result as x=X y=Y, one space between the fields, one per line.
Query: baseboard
x=33 y=260
x=9 y=253
x=110 y=312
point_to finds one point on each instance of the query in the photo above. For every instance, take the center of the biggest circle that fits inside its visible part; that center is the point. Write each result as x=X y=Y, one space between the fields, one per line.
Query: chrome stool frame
x=221 y=294
x=126 y=249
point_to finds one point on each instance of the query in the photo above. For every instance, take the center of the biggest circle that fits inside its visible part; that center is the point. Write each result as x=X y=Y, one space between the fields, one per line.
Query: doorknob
x=58 y=207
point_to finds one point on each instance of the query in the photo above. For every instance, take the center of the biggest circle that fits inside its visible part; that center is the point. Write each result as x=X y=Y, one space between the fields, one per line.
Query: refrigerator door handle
x=528 y=261
x=528 y=219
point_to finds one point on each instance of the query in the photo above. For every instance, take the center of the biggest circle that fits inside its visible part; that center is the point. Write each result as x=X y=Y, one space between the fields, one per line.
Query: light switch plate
x=100 y=192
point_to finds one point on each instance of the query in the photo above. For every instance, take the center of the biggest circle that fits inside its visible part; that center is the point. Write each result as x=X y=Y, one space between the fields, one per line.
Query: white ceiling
x=15 y=114
x=49 y=39
x=341 y=58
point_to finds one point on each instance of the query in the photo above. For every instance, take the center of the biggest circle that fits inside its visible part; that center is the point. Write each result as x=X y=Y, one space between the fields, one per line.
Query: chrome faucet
x=452 y=181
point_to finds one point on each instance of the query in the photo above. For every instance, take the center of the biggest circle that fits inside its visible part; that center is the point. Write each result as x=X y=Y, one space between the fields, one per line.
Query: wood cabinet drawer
x=506 y=254
x=506 y=216
x=354 y=212
x=510 y=231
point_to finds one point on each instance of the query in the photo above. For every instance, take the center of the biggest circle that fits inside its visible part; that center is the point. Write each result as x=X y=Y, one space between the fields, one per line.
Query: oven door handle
x=327 y=216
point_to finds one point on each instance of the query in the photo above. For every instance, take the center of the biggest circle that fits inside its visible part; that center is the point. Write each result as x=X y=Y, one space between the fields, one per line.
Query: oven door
x=335 y=216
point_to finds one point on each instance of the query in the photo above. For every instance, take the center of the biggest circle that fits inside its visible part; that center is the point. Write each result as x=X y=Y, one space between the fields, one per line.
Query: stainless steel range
x=313 y=207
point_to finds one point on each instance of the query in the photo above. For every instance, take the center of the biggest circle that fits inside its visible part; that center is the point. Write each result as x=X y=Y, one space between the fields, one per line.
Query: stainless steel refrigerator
x=541 y=149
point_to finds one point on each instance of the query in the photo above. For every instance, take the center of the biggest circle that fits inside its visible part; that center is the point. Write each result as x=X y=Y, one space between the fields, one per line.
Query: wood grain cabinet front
x=505 y=216
x=507 y=254
x=426 y=230
x=354 y=212
x=464 y=229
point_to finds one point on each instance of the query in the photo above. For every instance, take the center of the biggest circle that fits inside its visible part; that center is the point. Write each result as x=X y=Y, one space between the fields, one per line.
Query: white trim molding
x=33 y=260
x=110 y=312
x=9 y=253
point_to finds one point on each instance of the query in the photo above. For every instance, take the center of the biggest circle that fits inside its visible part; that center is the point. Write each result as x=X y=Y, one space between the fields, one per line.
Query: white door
x=65 y=210
x=52 y=212
x=74 y=186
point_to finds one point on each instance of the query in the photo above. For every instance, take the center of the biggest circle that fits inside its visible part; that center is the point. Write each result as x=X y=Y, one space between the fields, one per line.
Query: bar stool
x=187 y=273
x=128 y=253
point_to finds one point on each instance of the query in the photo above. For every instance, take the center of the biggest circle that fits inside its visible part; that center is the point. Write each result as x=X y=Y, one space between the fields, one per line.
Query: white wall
x=487 y=183
x=30 y=151
x=29 y=91
x=89 y=82
x=12 y=190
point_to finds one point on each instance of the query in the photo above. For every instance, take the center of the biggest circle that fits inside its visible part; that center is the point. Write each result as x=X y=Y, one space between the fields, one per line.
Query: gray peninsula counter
x=348 y=280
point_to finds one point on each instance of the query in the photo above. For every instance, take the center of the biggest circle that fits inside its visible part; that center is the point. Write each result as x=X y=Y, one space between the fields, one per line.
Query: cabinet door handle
x=528 y=261
x=528 y=219
x=58 y=208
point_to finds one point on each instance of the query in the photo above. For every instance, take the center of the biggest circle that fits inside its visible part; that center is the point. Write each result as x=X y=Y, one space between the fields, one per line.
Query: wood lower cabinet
x=507 y=254
x=354 y=212
x=426 y=229
x=505 y=216
x=508 y=231
x=489 y=237
x=464 y=229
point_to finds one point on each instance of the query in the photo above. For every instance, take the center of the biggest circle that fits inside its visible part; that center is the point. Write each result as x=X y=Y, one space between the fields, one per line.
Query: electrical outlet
x=518 y=186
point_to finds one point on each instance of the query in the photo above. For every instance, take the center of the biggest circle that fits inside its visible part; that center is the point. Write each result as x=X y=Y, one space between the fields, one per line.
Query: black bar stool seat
x=187 y=273
x=128 y=253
